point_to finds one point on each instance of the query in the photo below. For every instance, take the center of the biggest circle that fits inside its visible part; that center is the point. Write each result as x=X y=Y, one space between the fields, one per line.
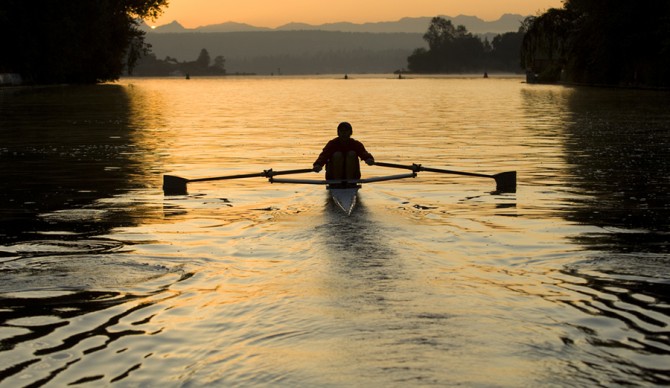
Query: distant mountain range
x=506 y=23
x=299 y=48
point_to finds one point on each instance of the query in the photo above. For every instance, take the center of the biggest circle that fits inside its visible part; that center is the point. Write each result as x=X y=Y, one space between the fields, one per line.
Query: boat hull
x=344 y=197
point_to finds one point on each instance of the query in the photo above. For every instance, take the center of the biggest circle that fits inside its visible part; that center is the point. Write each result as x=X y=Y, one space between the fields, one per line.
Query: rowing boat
x=343 y=191
x=344 y=197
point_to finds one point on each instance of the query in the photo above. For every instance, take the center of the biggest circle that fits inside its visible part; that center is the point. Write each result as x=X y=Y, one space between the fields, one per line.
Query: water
x=435 y=280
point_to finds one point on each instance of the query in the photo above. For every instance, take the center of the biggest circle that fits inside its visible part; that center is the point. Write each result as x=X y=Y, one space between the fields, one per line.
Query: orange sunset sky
x=273 y=13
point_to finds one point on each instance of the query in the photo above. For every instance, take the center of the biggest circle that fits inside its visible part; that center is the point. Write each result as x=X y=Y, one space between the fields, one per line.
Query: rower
x=341 y=155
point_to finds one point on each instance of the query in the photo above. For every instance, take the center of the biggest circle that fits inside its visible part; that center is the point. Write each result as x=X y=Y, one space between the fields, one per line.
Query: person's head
x=344 y=130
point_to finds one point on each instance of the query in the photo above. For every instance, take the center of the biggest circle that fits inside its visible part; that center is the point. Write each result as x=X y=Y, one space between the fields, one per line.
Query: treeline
x=624 y=43
x=72 y=41
x=452 y=49
x=293 y=52
x=324 y=62
x=150 y=66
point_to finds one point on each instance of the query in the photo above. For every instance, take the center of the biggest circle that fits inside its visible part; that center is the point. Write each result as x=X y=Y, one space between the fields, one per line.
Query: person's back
x=341 y=155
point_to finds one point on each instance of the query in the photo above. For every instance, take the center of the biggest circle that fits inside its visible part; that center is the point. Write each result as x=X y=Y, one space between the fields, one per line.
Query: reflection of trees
x=615 y=175
x=617 y=145
x=64 y=148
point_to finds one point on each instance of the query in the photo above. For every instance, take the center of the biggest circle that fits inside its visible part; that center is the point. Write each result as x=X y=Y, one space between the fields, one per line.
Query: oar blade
x=506 y=182
x=174 y=185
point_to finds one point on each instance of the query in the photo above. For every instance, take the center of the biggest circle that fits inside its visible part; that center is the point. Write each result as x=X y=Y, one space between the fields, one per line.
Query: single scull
x=343 y=191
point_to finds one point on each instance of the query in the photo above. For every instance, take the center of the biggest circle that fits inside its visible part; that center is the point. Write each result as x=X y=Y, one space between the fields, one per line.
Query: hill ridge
x=506 y=23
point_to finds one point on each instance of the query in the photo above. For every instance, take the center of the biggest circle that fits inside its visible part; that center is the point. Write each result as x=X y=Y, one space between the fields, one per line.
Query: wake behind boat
x=343 y=191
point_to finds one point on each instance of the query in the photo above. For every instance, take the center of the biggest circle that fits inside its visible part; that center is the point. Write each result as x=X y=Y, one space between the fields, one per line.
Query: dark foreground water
x=435 y=280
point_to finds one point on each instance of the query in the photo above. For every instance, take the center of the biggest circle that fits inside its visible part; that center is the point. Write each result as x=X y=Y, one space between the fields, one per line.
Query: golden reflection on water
x=249 y=122
x=433 y=280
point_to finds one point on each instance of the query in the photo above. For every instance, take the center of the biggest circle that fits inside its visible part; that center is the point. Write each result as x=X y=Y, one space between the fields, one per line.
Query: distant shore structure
x=10 y=79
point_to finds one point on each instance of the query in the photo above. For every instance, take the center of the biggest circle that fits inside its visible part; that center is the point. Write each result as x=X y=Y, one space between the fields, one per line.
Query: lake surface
x=432 y=281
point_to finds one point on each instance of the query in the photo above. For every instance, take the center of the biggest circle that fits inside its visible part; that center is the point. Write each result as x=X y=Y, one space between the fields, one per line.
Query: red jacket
x=336 y=145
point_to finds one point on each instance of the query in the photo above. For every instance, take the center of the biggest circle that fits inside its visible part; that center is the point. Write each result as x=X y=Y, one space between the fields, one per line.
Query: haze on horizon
x=270 y=13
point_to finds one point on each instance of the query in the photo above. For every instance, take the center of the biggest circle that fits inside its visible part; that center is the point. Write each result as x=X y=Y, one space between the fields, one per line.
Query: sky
x=274 y=13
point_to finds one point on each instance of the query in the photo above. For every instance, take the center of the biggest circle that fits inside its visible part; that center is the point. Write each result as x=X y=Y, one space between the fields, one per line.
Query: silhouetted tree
x=220 y=63
x=591 y=41
x=545 y=44
x=440 y=33
x=203 y=60
x=421 y=61
x=73 y=41
x=451 y=49
x=149 y=65
x=505 y=50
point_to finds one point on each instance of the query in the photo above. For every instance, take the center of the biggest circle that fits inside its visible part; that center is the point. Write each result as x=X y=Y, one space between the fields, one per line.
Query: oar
x=505 y=181
x=174 y=185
